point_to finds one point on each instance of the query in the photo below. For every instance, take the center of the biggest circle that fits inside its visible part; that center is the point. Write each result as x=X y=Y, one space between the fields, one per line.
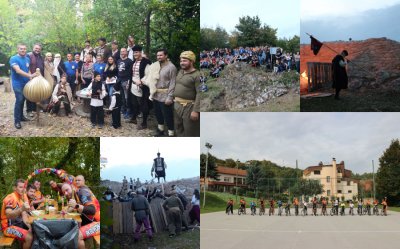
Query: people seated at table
x=84 y=202
x=38 y=195
x=56 y=187
x=14 y=216
x=31 y=194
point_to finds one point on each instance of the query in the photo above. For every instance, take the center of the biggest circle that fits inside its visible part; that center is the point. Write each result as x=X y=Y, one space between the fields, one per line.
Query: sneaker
x=31 y=114
x=18 y=125
x=172 y=235
x=93 y=125
x=159 y=133
x=100 y=127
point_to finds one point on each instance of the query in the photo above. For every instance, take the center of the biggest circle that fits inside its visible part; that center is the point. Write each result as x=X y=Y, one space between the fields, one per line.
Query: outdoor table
x=54 y=216
x=84 y=109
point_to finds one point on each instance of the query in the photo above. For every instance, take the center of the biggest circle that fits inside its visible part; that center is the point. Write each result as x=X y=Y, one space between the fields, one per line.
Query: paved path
x=219 y=230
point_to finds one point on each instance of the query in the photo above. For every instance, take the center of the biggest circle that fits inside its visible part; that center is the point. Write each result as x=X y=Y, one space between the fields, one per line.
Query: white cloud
x=283 y=15
x=312 y=9
x=137 y=151
x=356 y=138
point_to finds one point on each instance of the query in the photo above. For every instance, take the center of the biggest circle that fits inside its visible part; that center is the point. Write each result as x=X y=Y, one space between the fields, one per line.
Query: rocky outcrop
x=375 y=63
x=244 y=86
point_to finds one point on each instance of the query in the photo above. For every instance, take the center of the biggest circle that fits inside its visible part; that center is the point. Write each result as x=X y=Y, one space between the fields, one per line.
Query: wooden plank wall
x=124 y=219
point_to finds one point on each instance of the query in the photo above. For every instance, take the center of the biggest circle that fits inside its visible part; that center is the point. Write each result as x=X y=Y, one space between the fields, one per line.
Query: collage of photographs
x=125 y=122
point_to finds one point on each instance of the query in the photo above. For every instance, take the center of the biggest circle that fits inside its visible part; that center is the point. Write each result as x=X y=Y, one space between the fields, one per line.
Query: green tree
x=21 y=156
x=212 y=172
x=388 y=175
x=250 y=32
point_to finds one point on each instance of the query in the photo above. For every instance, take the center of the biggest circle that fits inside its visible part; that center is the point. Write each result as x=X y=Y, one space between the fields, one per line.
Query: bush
x=250 y=194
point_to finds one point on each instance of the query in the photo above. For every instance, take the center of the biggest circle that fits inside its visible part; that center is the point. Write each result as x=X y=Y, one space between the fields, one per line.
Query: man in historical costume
x=174 y=208
x=159 y=167
x=141 y=207
x=84 y=202
x=187 y=97
x=138 y=93
x=14 y=216
x=340 y=79
x=164 y=87
x=62 y=94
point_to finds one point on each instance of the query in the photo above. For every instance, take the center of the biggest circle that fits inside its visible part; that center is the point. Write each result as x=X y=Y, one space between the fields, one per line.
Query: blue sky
x=284 y=15
x=355 y=138
x=133 y=157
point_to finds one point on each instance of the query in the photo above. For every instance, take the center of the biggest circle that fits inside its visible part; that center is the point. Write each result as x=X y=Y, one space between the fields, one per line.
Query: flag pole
x=365 y=70
x=323 y=43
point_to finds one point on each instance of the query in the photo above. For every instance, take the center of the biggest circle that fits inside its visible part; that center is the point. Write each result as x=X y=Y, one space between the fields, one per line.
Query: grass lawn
x=354 y=101
x=186 y=240
x=216 y=201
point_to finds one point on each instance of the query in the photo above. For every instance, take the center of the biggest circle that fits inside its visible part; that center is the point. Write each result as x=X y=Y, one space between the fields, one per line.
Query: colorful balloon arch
x=60 y=173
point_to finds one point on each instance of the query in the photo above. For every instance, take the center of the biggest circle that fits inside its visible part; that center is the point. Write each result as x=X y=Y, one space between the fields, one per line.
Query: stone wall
x=375 y=63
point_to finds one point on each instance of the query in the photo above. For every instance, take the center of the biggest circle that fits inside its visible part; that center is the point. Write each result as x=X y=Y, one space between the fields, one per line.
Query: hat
x=48 y=54
x=188 y=55
x=137 y=48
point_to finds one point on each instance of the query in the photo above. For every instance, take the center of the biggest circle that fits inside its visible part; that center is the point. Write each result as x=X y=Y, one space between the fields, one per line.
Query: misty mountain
x=369 y=24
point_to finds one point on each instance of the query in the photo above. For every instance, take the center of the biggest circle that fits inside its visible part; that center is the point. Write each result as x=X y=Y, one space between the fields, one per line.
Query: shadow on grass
x=370 y=100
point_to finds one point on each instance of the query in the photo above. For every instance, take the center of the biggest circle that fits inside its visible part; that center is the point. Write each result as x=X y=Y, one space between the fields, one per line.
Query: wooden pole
x=7 y=85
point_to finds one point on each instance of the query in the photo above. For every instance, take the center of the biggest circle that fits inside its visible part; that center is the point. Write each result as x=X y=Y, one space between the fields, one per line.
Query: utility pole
x=237 y=168
x=373 y=176
x=209 y=146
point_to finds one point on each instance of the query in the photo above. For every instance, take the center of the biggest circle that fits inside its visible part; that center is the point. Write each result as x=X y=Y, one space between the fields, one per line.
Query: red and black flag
x=315 y=45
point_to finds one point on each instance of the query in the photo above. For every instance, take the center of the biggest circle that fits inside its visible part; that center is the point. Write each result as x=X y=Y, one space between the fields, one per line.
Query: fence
x=124 y=219
x=319 y=75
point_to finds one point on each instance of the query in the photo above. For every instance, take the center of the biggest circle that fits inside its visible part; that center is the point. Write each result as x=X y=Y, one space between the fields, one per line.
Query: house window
x=317 y=172
x=339 y=191
x=243 y=181
x=349 y=191
x=348 y=183
x=328 y=179
x=338 y=181
x=328 y=192
x=227 y=179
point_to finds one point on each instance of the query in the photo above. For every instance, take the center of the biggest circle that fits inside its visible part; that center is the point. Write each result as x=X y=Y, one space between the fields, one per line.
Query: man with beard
x=339 y=73
x=84 y=202
x=36 y=61
x=164 y=76
x=14 y=217
x=187 y=97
